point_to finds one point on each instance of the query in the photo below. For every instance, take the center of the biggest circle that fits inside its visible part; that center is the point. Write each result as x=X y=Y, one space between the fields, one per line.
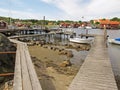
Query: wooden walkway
x=96 y=72
x=25 y=77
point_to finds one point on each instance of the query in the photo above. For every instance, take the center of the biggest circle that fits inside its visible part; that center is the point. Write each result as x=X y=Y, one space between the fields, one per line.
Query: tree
x=115 y=19
x=80 y=21
x=97 y=23
x=92 y=21
x=103 y=19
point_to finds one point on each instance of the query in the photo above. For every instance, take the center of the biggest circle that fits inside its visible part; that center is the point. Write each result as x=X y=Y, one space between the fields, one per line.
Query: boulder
x=37 y=42
x=69 y=54
x=7 y=61
x=65 y=63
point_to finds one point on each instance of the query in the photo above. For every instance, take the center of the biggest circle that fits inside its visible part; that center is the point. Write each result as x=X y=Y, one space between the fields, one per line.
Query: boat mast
x=10 y=13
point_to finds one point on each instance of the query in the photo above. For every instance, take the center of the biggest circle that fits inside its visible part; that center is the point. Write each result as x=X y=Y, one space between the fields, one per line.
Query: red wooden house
x=3 y=25
x=108 y=23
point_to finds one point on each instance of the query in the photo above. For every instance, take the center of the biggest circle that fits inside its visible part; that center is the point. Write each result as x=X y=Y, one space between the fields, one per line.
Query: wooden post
x=105 y=36
x=105 y=33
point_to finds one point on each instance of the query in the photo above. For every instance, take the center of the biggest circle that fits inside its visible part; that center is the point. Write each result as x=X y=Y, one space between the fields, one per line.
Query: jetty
x=96 y=72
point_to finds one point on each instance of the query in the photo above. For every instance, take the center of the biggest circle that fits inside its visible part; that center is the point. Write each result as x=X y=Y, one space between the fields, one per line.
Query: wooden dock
x=37 y=35
x=96 y=72
x=25 y=77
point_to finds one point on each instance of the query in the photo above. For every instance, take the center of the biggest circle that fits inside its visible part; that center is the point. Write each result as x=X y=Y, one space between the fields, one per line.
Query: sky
x=60 y=9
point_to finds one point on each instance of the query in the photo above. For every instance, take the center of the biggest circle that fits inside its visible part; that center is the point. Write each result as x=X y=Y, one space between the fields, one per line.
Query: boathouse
x=3 y=25
x=108 y=23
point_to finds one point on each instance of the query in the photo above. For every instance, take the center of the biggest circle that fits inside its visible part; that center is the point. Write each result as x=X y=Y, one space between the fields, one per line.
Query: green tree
x=115 y=19
x=92 y=21
x=97 y=23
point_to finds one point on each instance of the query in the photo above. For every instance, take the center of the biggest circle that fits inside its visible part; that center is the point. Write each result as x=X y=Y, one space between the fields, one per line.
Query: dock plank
x=34 y=79
x=25 y=77
x=25 y=73
x=17 y=75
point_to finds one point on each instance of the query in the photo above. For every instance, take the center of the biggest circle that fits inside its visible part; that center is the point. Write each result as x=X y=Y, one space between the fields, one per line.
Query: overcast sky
x=60 y=9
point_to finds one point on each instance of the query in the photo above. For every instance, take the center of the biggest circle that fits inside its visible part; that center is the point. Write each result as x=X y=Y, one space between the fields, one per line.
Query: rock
x=54 y=48
x=45 y=46
x=69 y=54
x=7 y=61
x=30 y=44
x=59 y=50
x=42 y=42
x=65 y=63
x=37 y=42
x=51 y=48
x=64 y=52
x=61 y=53
x=77 y=46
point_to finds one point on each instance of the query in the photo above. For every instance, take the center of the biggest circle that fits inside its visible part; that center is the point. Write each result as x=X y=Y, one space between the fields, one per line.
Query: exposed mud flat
x=50 y=68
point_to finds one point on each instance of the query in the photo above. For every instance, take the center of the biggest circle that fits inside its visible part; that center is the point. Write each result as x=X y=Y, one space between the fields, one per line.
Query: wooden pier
x=25 y=77
x=44 y=34
x=96 y=72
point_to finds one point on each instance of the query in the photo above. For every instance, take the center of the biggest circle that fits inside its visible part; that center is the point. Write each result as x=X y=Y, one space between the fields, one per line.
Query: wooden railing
x=25 y=77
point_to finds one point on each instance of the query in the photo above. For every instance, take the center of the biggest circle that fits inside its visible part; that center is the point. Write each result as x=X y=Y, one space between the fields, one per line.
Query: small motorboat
x=88 y=27
x=81 y=40
x=114 y=41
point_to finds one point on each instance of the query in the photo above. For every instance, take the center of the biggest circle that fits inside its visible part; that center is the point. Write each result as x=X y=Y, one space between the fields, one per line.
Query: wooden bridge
x=96 y=72
x=25 y=77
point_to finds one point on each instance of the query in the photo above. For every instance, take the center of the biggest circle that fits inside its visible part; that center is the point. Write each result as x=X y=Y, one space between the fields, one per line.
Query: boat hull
x=114 y=41
x=79 y=40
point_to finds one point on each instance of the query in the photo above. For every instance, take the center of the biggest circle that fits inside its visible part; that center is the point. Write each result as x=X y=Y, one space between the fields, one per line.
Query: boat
x=114 y=41
x=88 y=27
x=81 y=40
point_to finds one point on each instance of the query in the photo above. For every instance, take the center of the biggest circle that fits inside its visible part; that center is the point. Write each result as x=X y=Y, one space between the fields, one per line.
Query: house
x=108 y=23
x=3 y=25
x=65 y=25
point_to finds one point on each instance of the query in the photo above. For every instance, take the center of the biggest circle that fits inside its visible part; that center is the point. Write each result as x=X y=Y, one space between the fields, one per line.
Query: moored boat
x=88 y=27
x=81 y=40
x=114 y=41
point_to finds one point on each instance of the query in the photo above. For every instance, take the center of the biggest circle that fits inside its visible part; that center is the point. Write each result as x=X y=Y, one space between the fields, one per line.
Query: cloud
x=19 y=14
x=88 y=8
x=66 y=9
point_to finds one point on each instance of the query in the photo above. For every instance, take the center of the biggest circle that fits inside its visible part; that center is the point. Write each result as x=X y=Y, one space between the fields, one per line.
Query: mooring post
x=105 y=32
x=105 y=35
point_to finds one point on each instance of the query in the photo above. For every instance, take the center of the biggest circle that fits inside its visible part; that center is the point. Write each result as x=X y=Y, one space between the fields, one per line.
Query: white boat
x=85 y=27
x=114 y=41
x=88 y=27
x=81 y=40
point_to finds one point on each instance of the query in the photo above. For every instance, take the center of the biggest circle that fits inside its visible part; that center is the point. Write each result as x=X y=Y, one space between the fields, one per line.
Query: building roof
x=107 y=21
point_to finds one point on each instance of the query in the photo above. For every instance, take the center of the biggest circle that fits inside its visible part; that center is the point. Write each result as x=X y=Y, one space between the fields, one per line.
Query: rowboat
x=81 y=40
x=114 y=41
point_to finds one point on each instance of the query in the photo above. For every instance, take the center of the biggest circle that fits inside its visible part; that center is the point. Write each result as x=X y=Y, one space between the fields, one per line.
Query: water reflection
x=114 y=51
